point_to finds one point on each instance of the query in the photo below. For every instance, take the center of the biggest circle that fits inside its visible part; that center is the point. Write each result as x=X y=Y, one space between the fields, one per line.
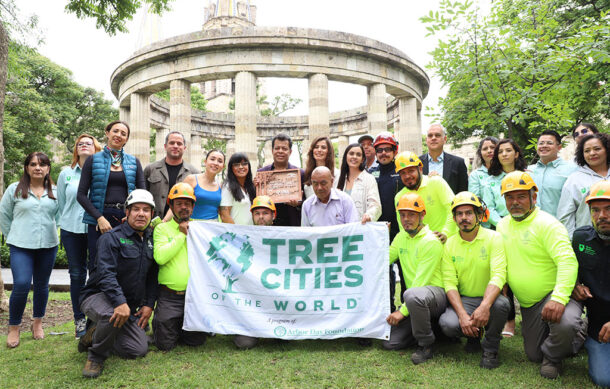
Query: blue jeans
x=76 y=251
x=114 y=217
x=25 y=265
x=599 y=361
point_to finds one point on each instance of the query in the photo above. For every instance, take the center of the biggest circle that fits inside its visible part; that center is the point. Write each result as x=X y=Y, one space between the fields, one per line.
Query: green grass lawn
x=54 y=362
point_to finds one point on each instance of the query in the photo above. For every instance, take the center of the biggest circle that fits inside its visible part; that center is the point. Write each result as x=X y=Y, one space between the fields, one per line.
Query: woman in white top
x=321 y=153
x=237 y=191
x=359 y=184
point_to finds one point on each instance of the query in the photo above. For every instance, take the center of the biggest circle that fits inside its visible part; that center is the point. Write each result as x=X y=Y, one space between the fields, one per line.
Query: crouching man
x=474 y=272
x=172 y=256
x=120 y=294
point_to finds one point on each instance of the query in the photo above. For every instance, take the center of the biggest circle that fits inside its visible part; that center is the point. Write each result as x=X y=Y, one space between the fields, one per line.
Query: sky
x=92 y=55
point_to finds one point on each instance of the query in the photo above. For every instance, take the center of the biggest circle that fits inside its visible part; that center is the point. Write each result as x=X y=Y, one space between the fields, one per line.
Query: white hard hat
x=140 y=196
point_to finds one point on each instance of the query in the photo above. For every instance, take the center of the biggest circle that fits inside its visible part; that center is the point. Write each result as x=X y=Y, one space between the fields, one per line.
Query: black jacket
x=388 y=183
x=454 y=171
x=124 y=270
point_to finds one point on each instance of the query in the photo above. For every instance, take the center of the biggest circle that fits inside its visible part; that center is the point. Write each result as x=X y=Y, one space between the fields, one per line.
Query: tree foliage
x=198 y=101
x=529 y=65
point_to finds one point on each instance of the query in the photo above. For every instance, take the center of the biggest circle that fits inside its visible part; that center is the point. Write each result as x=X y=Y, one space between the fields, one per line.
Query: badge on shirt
x=125 y=241
x=586 y=249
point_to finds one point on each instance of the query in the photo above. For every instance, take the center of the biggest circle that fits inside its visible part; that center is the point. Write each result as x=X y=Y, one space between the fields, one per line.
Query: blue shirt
x=70 y=211
x=434 y=166
x=206 y=206
x=29 y=223
x=494 y=200
x=478 y=180
x=339 y=209
x=549 y=179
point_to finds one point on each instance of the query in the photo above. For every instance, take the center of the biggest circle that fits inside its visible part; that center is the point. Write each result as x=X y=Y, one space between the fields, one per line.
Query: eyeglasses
x=240 y=164
x=380 y=150
x=83 y=144
x=547 y=143
x=582 y=132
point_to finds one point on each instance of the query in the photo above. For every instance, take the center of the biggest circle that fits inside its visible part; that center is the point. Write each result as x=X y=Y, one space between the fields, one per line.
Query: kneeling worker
x=172 y=256
x=419 y=252
x=120 y=294
x=474 y=272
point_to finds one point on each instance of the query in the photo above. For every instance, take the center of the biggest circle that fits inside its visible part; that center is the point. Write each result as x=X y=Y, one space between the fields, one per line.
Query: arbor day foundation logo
x=232 y=255
x=279 y=331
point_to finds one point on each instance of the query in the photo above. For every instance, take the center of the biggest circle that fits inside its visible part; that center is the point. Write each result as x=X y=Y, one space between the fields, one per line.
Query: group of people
x=463 y=244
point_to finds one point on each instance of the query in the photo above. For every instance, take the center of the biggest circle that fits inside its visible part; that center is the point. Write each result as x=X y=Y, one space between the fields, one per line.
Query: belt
x=179 y=293
x=115 y=205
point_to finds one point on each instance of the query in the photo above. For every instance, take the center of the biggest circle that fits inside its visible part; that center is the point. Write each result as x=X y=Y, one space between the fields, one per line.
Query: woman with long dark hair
x=29 y=212
x=593 y=160
x=106 y=180
x=321 y=153
x=478 y=178
x=73 y=231
x=238 y=191
x=359 y=184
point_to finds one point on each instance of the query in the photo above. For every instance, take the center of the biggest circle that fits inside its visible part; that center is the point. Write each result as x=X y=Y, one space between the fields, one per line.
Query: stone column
x=139 y=138
x=232 y=148
x=377 y=112
x=159 y=142
x=180 y=110
x=318 y=106
x=245 y=115
x=268 y=154
x=409 y=131
x=196 y=153
x=124 y=114
x=342 y=143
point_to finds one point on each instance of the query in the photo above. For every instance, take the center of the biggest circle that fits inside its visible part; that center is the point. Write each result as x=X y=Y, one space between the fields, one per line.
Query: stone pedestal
x=377 y=112
x=409 y=132
x=180 y=110
x=245 y=116
x=318 y=107
x=139 y=138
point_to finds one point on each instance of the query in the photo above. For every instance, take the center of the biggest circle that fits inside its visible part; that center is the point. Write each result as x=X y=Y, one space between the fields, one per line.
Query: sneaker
x=86 y=340
x=421 y=354
x=549 y=369
x=473 y=345
x=92 y=369
x=489 y=360
x=80 y=327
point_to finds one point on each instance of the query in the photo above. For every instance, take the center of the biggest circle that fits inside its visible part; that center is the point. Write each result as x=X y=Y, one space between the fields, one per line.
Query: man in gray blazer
x=436 y=162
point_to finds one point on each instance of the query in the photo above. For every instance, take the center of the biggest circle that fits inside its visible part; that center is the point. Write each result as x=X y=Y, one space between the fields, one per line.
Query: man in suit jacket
x=436 y=162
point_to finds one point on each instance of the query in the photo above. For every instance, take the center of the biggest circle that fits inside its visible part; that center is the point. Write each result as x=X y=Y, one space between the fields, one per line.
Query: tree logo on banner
x=232 y=255
x=279 y=331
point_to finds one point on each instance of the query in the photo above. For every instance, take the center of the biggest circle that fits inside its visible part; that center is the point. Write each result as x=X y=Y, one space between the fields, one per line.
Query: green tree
x=278 y=105
x=528 y=66
x=198 y=101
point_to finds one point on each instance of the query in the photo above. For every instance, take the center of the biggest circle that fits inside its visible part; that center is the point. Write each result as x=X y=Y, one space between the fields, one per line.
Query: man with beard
x=172 y=256
x=419 y=252
x=434 y=190
x=592 y=247
x=366 y=141
x=541 y=270
x=474 y=272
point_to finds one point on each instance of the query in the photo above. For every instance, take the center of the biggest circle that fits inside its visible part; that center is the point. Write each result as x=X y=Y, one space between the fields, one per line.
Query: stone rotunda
x=231 y=46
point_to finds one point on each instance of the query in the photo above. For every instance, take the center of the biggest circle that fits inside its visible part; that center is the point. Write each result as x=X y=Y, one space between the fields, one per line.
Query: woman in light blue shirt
x=73 y=231
x=29 y=212
x=478 y=177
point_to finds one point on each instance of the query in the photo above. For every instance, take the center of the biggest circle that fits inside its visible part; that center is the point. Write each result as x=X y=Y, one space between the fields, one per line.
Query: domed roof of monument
x=229 y=13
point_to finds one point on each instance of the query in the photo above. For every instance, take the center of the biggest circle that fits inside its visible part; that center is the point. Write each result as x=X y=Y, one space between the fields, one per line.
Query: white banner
x=288 y=282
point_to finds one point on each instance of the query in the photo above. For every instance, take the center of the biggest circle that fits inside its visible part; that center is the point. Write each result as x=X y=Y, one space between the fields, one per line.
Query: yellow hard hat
x=411 y=202
x=264 y=202
x=469 y=198
x=599 y=191
x=517 y=180
x=406 y=159
x=181 y=190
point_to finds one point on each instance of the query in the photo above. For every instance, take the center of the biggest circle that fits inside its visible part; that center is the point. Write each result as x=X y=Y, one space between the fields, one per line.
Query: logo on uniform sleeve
x=586 y=249
x=125 y=241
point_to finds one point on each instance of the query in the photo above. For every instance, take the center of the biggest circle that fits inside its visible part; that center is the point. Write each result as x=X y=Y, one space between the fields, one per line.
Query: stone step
x=59 y=281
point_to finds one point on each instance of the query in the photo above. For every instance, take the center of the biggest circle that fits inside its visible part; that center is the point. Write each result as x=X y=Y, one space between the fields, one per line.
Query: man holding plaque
x=288 y=213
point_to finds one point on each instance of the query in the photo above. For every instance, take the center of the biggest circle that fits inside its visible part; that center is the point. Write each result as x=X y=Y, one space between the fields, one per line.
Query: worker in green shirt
x=171 y=254
x=434 y=190
x=541 y=271
x=419 y=251
x=474 y=272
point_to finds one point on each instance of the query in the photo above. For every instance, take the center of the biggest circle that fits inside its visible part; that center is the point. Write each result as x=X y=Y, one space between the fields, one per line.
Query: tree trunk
x=3 y=75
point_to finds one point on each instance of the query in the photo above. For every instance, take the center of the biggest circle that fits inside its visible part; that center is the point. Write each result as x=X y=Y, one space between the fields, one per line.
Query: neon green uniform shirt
x=171 y=255
x=539 y=258
x=420 y=259
x=468 y=267
x=437 y=197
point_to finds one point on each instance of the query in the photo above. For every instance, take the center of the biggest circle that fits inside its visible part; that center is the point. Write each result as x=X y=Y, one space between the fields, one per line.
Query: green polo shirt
x=437 y=197
x=539 y=258
x=171 y=255
x=420 y=259
x=468 y=267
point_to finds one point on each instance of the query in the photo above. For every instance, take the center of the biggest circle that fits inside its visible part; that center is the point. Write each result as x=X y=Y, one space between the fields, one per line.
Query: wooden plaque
x=281 y=185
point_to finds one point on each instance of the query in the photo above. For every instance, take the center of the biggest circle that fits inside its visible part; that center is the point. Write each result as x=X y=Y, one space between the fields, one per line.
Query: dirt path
x=58 y=312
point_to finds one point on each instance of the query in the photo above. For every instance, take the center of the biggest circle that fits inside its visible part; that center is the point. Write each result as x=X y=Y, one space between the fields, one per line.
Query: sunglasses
x=380 y=150
x=240 y=164
x=582 y=132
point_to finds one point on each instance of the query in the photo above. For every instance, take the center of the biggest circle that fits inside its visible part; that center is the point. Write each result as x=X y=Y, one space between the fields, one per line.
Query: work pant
x=244 y=342
x=425 y=305
x=114 y=217
x=167 y=323
x=128 y=341
x=599 y=361
x=76 y=251
x=30 y=266
x=554 y=341
x=498 y=312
